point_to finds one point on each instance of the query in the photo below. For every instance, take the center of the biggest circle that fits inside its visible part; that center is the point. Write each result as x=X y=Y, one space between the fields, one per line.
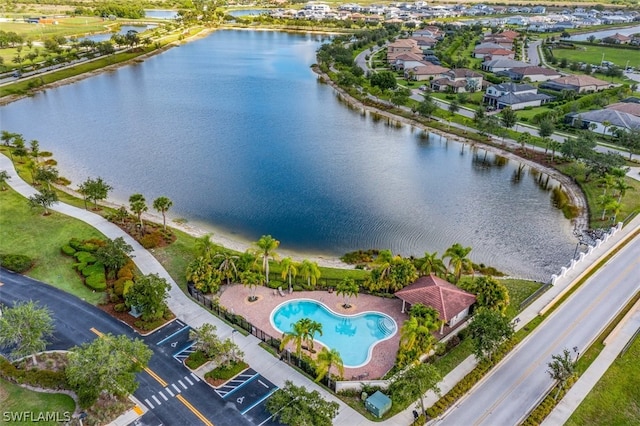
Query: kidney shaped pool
x=353 y=336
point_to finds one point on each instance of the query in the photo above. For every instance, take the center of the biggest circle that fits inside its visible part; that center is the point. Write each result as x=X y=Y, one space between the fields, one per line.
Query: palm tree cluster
x=416 y=335
x=214 y=266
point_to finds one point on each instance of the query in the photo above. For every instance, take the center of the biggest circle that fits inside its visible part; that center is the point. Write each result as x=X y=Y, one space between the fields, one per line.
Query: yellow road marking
x=194 y=411
x=147 y=369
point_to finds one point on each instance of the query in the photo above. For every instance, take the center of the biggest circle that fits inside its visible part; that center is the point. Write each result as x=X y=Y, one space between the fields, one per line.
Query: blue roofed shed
x=378 y=404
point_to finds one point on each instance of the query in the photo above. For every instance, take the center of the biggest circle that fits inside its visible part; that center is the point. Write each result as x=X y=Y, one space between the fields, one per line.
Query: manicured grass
x=26 y=231
x=592 y=54
x=615 y=399
x=519 y=290
x=14 y=399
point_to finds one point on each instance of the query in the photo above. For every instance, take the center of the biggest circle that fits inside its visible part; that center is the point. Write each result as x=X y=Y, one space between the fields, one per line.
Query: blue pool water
x=354 y=336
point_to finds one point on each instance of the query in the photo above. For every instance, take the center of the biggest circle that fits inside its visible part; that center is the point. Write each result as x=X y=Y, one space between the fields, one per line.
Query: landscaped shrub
x=149 y=325
x=97 y=282
x=152 y=240
x=68 y=250
x=16 y=262
x=93 y=269
x=121 y=286
x=84 y=257
x=195 y=360
x=75 y=243
x=127 y=270
x=40 y=378
x=227 y=372
x=120 y=307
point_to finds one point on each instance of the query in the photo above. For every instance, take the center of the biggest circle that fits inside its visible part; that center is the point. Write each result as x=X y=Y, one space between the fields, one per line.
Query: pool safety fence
x=303 y=363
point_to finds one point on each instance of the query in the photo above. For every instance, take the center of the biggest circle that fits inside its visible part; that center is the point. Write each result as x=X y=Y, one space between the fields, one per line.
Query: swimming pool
x=354 y=336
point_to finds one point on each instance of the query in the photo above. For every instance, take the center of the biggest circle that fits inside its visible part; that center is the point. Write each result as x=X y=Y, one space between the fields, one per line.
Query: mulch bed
x=127 y=318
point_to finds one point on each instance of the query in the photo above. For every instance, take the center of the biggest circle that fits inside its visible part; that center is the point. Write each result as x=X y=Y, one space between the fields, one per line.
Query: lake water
x=160 y=14
x=237 y=131
x=606 y=33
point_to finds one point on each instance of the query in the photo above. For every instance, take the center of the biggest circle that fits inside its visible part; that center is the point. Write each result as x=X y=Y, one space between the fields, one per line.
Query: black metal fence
x=305 y=364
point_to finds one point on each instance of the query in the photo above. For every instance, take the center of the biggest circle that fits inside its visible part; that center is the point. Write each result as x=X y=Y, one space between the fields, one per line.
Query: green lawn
x=14 y=399
x=592 y=54
x=26 y=231
x=615 y=399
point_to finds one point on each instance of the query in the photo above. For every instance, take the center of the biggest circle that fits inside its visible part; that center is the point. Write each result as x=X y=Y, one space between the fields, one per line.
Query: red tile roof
x=441 y=295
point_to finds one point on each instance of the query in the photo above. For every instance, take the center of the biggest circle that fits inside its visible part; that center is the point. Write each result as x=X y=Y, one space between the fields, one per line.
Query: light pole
x=233 y=342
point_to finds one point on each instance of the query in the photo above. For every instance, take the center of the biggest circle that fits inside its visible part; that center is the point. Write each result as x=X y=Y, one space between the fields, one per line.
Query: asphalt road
x=507 y=395
x=171 y=393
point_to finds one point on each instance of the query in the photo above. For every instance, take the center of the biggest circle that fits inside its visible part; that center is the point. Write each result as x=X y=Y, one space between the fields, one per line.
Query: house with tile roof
x=407 y=60
x=425 y=72
x=493 y=52
x=617 y=38
x=458 y=80
x=577 y=83
x=502 y=64
x=513 y=95
x=627 y=107
x=614 y=119
x=452 y=303
x=532 y=73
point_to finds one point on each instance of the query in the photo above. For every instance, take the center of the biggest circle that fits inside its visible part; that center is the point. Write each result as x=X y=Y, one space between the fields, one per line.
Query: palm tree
x=458 y=260
x=265 y=249
x=289 y=270
x=296 y=334
x=252 y=280
x=162 y=205
x=204 y=246
x=431 y=264
x=454 y=107
x=311 y=328
x=561 y=368
x=621 y=186
x=411 y=333
x=347 y=288
x=310 y=271
x=138 y=205
x=605 y=126
x=326 y=360
x=227 y=266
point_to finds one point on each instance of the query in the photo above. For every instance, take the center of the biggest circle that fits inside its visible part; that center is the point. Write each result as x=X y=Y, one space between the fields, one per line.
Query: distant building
x=458 y=80
x=577 y=83
x=532 y=73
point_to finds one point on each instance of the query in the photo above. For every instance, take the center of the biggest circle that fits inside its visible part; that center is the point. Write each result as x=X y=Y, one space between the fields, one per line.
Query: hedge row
x=39 y=378
x=547 y=405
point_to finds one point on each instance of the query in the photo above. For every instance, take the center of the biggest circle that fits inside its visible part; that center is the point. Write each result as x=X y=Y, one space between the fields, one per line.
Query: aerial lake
x=238 y=132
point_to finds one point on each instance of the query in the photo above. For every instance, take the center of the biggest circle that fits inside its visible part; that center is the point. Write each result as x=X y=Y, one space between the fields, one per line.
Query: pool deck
x=234 y=298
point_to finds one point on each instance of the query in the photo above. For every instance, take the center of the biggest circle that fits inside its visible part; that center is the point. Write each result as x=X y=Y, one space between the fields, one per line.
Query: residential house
x=407 y=60
x=452 y=303
x=626 y=107
x=425 y=42
x=425 y=72
x=532 y=73
x=494 y=53
x=513 y=95
x=614 y=120
x=401 y=46
x=577 y=83
x=458 y=80
x=617 y=38
x=502 y=64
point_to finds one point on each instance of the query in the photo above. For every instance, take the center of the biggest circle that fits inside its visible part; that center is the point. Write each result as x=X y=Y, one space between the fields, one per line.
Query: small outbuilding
x=378 y=404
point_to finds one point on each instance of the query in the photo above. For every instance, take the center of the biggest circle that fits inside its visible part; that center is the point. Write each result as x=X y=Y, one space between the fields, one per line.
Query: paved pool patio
x=234 y=297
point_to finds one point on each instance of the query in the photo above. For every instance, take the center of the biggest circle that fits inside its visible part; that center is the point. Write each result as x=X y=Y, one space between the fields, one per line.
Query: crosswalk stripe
x=176 y=388
x=156 y=400
x=197 y=379
x=182 y=384
x=163 y=397
x=148 y=403
x=187 y=379
x=169 y=391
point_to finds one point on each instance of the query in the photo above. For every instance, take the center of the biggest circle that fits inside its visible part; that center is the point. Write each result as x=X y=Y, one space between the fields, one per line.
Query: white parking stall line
x=163 y=397
x=148 y=403
x=169 y=391
x=176 y=388
x=196 y=378
x=156 y=400
x=189 y=381
x=182 y=384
